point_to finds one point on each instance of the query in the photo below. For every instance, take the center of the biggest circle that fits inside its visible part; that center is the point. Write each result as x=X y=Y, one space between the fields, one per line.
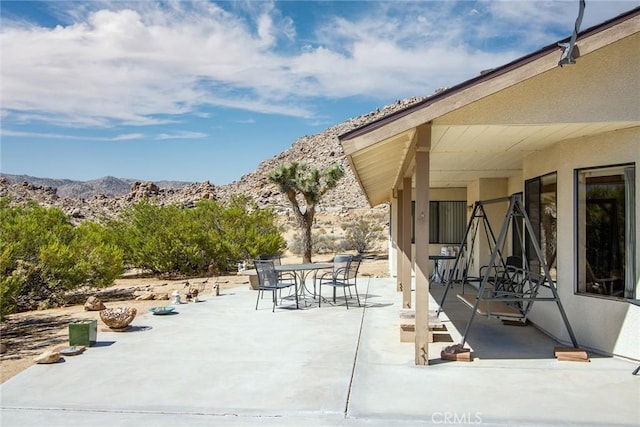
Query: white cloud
x=181 y=135
x=246 y=121
x=67 y=137
x=128 y=137
x=141 y=63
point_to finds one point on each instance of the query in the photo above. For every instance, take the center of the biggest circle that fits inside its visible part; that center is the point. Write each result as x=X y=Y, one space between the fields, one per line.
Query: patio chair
x=343 y=275
x=268 y=280
x=283 y=276
x=352 y=275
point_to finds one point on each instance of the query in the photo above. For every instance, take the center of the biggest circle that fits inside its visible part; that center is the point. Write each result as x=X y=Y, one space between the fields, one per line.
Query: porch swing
x=508 y=285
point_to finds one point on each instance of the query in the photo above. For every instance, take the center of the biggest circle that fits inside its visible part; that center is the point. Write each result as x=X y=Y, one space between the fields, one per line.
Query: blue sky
x=204 y=90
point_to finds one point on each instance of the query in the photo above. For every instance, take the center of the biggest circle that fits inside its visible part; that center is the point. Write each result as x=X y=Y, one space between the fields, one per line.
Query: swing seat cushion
x=491 y=308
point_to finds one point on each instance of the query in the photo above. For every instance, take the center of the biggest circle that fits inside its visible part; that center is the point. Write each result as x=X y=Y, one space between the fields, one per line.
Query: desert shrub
x=161 y=239
x=42 y=256
x=362 y=235
x=103 y=259
x=238 y=231
x=325 y=244
x=320 y=244
x=172 y=240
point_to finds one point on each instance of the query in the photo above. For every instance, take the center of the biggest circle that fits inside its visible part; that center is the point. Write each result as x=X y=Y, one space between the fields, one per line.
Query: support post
x=398 y=237
x=423 y=146
x=406 y=242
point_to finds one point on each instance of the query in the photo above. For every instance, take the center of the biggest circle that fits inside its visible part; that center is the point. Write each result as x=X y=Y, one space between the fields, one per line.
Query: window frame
x=434 y=212
x=531 y=258
x=631 y=246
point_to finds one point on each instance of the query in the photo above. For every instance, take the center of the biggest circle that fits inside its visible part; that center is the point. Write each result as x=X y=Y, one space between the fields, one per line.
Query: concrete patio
x=220 y=362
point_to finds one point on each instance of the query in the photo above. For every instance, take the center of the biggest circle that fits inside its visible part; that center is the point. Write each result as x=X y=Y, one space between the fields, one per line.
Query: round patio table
x=302 y=271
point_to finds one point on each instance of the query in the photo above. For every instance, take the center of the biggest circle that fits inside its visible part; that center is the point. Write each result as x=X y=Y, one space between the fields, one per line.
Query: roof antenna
x=567 y=48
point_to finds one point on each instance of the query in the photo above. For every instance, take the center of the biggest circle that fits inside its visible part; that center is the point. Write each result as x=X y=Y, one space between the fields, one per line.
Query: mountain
x=107 y=196
x=108 y=186
x=320 y=150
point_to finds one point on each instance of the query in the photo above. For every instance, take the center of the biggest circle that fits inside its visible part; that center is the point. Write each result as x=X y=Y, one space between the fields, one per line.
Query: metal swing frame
x=517 y=287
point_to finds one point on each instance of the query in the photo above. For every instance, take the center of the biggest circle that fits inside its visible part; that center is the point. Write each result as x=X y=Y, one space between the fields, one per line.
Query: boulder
x=47 y=357
x=93 y=304
x=146 y=296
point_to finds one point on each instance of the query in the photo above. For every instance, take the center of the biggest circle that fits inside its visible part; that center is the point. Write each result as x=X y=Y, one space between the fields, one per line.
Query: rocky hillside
x=107 y=196
x=320 y=150
x=101 y=206
x=108 y=186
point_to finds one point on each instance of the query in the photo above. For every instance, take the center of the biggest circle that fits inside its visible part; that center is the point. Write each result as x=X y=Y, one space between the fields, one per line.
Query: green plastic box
x=83 y=332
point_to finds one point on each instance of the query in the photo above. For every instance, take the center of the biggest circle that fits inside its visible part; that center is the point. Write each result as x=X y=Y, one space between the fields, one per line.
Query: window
x=447 y=222
x=606 y=231
x=541 y=195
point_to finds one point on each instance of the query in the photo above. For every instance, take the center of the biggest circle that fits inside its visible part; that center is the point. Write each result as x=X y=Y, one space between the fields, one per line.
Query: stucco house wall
x=610 y=326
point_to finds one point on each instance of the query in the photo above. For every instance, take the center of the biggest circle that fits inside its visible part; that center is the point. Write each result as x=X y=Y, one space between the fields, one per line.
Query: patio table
x=302 y=271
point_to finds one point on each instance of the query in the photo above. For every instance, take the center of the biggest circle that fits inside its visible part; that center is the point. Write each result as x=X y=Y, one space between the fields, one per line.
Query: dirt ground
x=29 y=334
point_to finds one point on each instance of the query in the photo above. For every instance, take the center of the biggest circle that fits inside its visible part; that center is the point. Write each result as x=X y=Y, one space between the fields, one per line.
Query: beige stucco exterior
x=607 y=325
x=522 y=121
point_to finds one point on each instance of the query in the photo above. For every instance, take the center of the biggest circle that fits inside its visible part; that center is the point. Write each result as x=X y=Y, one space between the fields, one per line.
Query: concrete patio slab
x=220 y=362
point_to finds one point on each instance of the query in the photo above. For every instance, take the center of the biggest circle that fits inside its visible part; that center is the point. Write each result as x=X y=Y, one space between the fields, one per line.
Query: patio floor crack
x=355 y=357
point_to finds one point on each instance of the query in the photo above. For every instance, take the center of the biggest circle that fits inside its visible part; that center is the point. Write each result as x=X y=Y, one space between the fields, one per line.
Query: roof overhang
x=486 y=126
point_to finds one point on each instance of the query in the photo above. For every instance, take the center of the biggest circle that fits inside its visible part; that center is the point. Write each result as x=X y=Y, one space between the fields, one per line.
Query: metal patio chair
x=268 y=280
x=343 y=275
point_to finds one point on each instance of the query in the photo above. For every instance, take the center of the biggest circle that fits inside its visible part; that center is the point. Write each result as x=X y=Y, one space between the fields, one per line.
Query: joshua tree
x=297 y=178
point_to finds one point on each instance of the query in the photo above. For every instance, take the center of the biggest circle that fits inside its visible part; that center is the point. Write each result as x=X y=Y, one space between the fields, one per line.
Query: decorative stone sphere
x=118 y=317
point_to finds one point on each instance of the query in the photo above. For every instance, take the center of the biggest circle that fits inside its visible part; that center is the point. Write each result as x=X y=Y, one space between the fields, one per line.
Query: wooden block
x=442 y=338
x=570 y=354
x=460 y=355
x=440 y=327
x=572 y=359
x=515 y=322
x=407 y=313
x=408 y=334
x=434 y=323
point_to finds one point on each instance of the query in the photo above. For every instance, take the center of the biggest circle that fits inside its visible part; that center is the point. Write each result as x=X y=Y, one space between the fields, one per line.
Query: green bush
x=245 y=231
x=42 y=256
x=172 y=240
x=156 y=238
x=103 y=259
